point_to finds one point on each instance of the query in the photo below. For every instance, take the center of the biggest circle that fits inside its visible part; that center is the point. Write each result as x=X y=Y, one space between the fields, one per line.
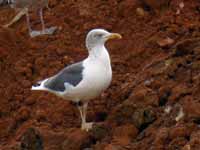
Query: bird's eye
x=98 y=35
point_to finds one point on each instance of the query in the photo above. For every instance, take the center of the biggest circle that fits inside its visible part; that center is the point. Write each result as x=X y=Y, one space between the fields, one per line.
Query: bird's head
x=98 y=37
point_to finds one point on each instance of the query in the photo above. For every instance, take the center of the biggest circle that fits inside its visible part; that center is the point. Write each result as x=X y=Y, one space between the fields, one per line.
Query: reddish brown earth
x=153 y=102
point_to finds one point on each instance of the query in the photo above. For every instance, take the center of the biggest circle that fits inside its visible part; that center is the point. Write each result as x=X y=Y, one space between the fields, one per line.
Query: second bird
x=37 y=5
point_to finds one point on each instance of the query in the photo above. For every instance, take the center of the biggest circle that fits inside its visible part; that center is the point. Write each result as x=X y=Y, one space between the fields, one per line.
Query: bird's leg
x=28 y=23
x=83 y=111
x=17 y=17
x=47 y=6
x=42 y=20
x=85 y=125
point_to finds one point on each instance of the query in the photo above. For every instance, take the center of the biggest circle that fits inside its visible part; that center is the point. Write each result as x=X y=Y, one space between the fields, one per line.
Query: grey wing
x=71 y=75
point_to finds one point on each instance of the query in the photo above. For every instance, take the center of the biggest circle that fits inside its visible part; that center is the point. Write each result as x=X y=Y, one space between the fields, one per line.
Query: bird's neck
x=99 y=53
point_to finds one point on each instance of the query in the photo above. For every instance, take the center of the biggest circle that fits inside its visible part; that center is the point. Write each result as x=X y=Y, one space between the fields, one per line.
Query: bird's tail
x=39 y=86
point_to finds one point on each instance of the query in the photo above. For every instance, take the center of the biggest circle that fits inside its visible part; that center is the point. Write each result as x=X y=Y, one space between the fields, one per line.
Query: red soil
x=155 y=66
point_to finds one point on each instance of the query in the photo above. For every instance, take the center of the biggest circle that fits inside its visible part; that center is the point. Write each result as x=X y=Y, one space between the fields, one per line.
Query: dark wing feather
x=71 y=75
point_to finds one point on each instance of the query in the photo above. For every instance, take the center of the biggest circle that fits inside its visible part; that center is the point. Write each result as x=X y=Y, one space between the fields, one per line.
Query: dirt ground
x=153 y=102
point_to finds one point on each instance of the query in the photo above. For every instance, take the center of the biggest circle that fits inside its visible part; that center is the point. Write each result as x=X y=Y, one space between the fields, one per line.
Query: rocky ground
x=153 y=102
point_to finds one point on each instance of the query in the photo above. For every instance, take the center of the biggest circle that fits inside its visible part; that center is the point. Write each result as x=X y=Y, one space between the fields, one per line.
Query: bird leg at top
x=32 y=33
x=42 y=20
x=44 y=30
x=17 y=17
x=83 y=112
x=28 y=23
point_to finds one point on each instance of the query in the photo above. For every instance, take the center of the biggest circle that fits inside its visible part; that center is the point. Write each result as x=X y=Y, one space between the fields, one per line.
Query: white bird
x=85 y=80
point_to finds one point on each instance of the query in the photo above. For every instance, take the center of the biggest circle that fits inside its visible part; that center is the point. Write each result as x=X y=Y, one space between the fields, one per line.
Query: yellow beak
x=114 y=36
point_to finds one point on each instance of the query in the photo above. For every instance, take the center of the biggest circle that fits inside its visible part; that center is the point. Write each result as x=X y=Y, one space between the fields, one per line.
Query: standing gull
x=24 y=6
x=85 y=80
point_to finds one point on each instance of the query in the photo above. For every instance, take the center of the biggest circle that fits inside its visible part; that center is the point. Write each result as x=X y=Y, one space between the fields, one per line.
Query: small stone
x=140 y=12
x=167 y=42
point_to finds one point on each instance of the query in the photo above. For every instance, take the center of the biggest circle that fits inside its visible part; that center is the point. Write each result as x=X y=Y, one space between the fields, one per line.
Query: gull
x=4 y=1
x=84 y=80
x=24 y=6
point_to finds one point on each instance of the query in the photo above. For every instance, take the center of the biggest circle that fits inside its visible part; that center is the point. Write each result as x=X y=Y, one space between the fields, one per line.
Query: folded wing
x=71 y=75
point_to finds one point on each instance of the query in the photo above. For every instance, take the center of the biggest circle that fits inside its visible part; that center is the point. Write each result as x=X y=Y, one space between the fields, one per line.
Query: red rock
x=177 y=91
x=40 y=61
x=26 y=84
x=61 y=51
x=3 y=53
x=186 y=147
x=191 y=108
x=195 y=140
x=161 y=136
x=19 y=97
x=144 y=96
x=30 y=101
x=178 y=143
x=23 y=114
x=187 y=46
x=5 y=125
x=76 y=140
x=122 y=141
x=179 y=131
x=41 y=115
x=112 y=147
x=129 y=131
x=56 y=119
